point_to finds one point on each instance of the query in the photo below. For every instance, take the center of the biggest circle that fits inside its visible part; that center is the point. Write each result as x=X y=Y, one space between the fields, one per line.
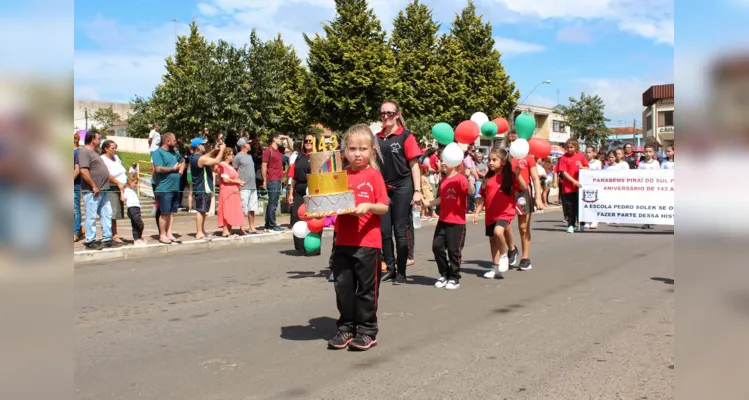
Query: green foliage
x=351 y=67
x=414 y=43
x=476 y=79
x=105 y=117
x=586 y=118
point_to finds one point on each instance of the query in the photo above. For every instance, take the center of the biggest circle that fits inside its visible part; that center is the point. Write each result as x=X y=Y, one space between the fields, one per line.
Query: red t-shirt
x=454 y=199
x=274 y=159
x=525 y=167
x=368 y=187
x=433 y=160
x=498 y=205
x=568 y=163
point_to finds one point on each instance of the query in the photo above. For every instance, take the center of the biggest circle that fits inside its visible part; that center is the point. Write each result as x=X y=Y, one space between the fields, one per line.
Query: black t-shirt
x=397 y=149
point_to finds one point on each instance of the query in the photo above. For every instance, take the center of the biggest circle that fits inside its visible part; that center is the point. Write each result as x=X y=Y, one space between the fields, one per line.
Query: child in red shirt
x=498 y=196
x=450 y=232
x=569 y=169
x=356 y=261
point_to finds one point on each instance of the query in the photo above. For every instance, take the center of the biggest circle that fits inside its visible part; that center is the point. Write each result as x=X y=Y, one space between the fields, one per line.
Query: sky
x=613 y=48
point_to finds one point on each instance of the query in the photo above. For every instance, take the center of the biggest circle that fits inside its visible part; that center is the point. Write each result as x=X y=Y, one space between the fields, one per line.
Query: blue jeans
x=98 y=205
x=274 y=192
x=76 y=212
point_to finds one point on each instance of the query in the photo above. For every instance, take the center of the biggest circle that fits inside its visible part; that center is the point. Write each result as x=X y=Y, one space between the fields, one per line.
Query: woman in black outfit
x=402 y=173
x=298 y=190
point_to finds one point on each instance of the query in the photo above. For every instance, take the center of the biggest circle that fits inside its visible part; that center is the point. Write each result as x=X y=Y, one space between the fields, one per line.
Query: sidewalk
x=184 y=229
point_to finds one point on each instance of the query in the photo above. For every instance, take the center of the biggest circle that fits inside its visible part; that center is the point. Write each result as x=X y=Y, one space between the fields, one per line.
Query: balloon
x=452 y=155
x=312 y=243
x=316 y=225
x=300 y=229
x=525 y=125
x=479 y=118
x=443 y=133
x=502 y=125
x=467 y=132
x=301 y=211
x=540 y=148
x=519 y=148
x=489 y=129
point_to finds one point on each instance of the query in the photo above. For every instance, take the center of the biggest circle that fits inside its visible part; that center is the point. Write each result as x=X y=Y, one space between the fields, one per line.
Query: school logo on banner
x=590 y=195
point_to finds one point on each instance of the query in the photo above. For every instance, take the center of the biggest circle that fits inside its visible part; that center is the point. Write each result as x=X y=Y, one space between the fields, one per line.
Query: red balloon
x=467 y=132
x=540 y=148
x=316 y=225
x=301 y=211
x=502 y=125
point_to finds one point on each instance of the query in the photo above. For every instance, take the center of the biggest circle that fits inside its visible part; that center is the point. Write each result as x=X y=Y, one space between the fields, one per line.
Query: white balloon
x=452 y=155
x=519 y=148
x=479 y=118
x=300 y=229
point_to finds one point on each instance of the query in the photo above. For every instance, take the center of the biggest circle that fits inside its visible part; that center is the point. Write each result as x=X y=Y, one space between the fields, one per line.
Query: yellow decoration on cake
x=327 y=183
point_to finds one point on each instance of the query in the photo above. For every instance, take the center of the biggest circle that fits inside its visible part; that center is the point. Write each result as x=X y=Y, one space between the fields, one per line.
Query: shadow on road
x=480 y=263
x=321 y=328
x=667 y=281
x=323 y=273
x=292 y=253
x=421 y=280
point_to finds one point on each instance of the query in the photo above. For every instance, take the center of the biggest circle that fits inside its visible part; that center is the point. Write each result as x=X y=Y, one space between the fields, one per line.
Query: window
x=558 y=126
x=665 y=118
x=648 y=123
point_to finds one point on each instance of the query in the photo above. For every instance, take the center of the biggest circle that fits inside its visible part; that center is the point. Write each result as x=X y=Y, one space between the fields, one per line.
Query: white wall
x=133 y=145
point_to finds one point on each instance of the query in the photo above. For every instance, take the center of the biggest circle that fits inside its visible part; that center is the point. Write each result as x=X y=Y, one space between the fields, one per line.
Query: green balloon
x=312 y=242
x=525 y=125
x=489 y=129
x=443 y=133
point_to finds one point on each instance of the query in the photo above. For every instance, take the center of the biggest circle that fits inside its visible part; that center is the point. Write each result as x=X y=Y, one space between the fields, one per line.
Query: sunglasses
x=307 y=141
x=389 y=114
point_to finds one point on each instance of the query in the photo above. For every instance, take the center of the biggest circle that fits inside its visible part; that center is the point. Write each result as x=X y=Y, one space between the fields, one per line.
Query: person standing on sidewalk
x=527 y=202
x=248 y=192
x=94 y=188
x=168 y=166
x=298 y=173
x=272 y=170
x=133 y=209
x=400 y=167
x=201 y=169
x=76 y=191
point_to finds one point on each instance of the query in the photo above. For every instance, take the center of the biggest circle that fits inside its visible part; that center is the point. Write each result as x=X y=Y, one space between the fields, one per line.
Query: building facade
x=84 y=110
x=658 y=113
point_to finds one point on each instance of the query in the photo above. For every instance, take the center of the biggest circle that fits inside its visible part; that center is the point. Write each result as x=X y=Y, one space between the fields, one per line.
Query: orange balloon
x=467 y=132
x=316 y=225
x=502 y=125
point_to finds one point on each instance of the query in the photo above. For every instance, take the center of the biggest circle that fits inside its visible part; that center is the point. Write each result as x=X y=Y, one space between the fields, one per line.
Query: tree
x=449 y=96
x=351 y=67
x=585 y=117
x=414 y=44
x=105 y=117
x=485 y=86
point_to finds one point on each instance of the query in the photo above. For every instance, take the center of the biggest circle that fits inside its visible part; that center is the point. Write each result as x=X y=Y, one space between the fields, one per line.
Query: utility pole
x=634 y=131
x=85 y=116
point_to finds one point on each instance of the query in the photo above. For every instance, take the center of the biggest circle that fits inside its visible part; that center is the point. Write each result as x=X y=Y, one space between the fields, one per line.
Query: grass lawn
x=129 y=158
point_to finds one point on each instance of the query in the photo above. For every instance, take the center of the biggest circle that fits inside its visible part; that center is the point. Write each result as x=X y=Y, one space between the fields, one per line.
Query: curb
x=126 y=252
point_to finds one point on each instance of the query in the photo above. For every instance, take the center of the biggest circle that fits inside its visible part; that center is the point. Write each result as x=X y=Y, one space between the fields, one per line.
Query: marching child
x=450 y=232
x=132 y=202
x=356 y=261
x=570 y=165
x=649 y=162
x=498 y=196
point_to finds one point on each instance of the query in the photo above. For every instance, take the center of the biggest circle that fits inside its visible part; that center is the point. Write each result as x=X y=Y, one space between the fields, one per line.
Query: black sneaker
x=513 y=256
x=110 y=244
x=341 y=340
x=388 y=276
x=400 y=279
x=525 y=265
x=92 y=246
x=362 y=342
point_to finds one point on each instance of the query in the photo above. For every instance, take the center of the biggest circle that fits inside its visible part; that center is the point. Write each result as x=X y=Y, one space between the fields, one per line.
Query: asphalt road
x=594 y=319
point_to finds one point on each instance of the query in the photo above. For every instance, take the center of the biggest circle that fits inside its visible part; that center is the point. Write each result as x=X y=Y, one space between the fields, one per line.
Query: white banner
x=627 y=196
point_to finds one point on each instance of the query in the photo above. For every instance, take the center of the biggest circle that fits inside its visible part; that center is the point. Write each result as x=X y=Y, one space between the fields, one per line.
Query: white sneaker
x=441 y=282
x=504 y=263
x=494 y=273
x=140 y=243
x=452 y=284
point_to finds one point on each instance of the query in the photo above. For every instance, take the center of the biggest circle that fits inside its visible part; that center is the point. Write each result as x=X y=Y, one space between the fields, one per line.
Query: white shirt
x=131 y=198
x=649 y=165
x=155 y=140
x=116 y=169
x=619 y=165
x=595 y=164
x=667 y=165
x=541 y=171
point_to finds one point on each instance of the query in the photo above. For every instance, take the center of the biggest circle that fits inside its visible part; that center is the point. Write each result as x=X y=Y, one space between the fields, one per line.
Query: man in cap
x=201 y=169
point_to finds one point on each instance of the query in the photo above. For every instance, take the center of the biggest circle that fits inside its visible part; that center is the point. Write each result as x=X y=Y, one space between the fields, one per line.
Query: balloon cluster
x=309 y=229
x=468 y=131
